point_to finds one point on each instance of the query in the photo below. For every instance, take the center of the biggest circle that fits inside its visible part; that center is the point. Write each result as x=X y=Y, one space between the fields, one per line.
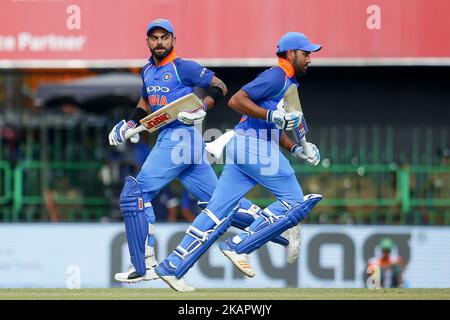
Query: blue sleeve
x=144 y=89
x=144 y=93
x=193 y=74
x=266 y=85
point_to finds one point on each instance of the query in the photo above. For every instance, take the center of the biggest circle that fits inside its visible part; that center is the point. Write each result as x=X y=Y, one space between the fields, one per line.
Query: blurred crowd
x=351 y=197
x=172 y=204
x=72 y=135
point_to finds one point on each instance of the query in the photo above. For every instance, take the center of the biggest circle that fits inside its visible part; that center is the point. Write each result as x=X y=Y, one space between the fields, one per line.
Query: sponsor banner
x=96 y=33
x=88 y=255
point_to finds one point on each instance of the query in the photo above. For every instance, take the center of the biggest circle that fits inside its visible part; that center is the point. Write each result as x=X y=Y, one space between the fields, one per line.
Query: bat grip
x=306 y=146
x=131 y=132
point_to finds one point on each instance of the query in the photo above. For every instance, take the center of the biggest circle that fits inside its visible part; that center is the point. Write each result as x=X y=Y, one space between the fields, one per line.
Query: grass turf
x=225 y=294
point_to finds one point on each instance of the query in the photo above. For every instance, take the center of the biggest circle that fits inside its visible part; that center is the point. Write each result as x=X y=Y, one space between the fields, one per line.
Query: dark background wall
x=358 y=95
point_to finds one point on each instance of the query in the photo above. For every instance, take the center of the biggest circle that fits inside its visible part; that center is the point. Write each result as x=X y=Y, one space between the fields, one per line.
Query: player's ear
x=291 y=55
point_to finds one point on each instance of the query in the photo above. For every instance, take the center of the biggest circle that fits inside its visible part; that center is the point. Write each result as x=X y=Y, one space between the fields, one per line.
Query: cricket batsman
x=252 y=157
x=165 y=79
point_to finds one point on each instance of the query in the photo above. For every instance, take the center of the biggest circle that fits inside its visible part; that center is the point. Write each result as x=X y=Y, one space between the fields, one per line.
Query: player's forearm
x=286 y=142
x=242 y=103
x=216 y=91
x=216 y=82
x=140 y=112
x=143 y=105
x=209 y=102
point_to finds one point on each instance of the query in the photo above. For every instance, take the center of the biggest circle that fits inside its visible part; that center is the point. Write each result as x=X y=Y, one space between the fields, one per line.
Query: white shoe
x=177 y=284
x=293 y=248
x=131 y=276
x=239 y=260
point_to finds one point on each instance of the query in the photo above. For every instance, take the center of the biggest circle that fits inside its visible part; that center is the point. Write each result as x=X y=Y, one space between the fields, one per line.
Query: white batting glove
x=312 y=158
x=192 y=117
x=117 y=134
x=284 y=120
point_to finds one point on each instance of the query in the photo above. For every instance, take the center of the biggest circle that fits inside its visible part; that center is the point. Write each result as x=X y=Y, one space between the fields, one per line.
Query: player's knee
x=131 y=196
x=149 y=189
x=244 y=203
x=302 y=209
x=132 y=199
x=142 y=178
x=295 y=198
x=149 y=214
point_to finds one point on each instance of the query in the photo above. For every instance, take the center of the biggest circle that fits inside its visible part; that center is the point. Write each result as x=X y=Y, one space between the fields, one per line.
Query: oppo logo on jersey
x=151 y=89
x=159 y=119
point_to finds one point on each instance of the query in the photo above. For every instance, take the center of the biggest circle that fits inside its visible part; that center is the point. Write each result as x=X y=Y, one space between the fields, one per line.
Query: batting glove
x=312 y=157
x=283 y=120
x=117 y=134
x=192 y=117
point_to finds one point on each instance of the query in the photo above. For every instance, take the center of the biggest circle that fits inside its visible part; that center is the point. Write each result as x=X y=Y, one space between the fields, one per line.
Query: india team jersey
x=172 y=79
x=266 y=90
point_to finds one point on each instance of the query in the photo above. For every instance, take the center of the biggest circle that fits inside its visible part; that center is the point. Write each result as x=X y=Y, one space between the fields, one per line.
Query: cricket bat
x=291 y=104
x=166 y=114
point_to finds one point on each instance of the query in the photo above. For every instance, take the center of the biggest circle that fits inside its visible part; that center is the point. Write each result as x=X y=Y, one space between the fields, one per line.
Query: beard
x=162 y=54
x=301 y=70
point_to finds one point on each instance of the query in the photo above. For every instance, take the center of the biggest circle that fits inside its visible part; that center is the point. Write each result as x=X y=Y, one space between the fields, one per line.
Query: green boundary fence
x=13 y=198
x=20 y=199
x=343 y=168
x=5 y=176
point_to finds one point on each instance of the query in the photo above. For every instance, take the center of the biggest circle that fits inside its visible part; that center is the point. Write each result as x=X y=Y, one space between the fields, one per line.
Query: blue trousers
x=249 y=161
x=252 y=161
x=178 y=153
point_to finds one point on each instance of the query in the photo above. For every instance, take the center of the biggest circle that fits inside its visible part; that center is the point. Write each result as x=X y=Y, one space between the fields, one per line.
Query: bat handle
x=306 y=146
x=131 y=132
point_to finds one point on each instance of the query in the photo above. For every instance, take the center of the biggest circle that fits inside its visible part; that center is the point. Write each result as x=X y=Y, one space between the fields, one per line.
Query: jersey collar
x=286 y=66
x=172 y=56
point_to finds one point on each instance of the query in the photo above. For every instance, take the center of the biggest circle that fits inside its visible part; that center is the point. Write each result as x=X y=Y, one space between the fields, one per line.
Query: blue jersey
x=266 y=91
x=172 y=79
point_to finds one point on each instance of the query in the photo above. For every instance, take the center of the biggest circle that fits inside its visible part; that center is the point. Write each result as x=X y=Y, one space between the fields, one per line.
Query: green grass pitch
x=225 y=294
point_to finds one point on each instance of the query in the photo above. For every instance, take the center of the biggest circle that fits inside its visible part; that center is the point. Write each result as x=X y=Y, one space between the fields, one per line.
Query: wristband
x=137 y=114
x=293 y=147
x=269 y=115
x=216 y=93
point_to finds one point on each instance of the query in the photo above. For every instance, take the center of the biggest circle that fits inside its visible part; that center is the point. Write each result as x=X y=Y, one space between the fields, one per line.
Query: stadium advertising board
x=88 y=255
x=86 y=33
